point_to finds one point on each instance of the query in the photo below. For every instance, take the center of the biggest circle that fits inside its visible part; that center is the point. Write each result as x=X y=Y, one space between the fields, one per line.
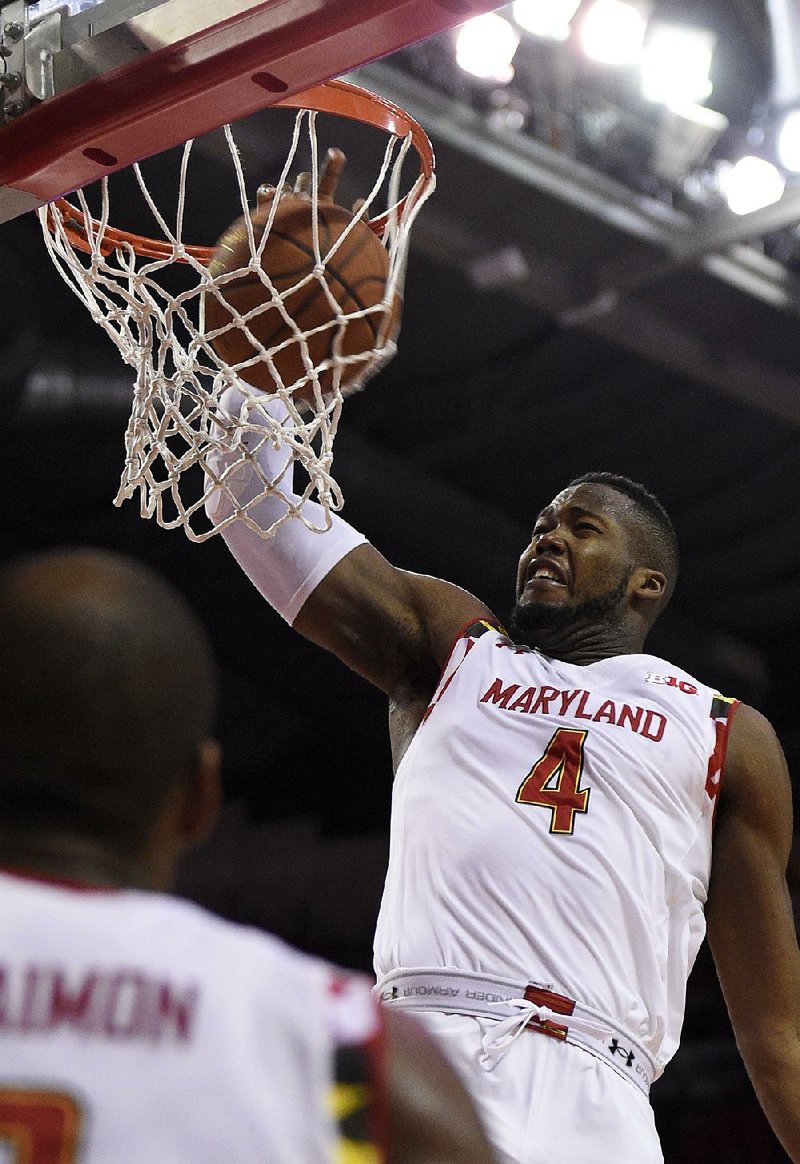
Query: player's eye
x=587 y=525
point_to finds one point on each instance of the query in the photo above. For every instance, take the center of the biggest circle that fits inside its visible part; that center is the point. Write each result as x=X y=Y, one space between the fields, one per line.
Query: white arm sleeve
x=286 y=568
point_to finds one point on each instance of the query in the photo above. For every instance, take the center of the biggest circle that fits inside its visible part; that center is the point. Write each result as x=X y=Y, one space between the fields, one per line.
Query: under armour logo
x=616 y=1049
x=390 y=995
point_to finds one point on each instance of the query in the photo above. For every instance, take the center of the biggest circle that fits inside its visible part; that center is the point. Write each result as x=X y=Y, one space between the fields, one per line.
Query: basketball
x=355 y=277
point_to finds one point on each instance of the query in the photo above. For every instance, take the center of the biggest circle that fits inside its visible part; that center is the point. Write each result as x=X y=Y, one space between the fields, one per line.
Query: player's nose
x=549 y=541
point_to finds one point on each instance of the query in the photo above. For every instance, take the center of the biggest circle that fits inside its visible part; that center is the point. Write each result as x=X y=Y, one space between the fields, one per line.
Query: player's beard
x=542 y=624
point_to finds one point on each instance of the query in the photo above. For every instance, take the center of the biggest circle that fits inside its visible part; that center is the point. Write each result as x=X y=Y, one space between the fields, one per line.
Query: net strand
x=183 y=449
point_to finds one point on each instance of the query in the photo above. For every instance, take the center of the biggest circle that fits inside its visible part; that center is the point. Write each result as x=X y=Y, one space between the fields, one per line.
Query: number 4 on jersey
x=554 y=780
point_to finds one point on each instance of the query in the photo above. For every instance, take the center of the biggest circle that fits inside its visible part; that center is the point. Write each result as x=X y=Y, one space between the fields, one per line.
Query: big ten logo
x=671 y=681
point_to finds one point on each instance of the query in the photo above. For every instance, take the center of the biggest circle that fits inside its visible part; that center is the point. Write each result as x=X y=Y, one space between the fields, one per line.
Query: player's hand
x=329 y=175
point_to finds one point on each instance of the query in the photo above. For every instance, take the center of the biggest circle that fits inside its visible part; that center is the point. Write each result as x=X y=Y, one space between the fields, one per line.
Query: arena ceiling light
x=686 y=134
x=548 y=19
x=485 y=48
x=788 y=143
x=612 y=32
x=750 y=183
x=675 y=64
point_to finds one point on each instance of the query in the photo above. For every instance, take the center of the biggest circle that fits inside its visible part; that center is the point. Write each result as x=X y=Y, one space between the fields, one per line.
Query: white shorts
x=547 y=1101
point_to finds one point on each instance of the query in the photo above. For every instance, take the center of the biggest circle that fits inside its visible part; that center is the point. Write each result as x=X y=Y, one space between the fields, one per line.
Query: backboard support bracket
x=14 y=97
x=181 y=86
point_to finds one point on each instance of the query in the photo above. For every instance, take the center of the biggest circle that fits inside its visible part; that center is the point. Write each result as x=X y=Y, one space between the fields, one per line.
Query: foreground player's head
x=107 y=696
x=600 y=568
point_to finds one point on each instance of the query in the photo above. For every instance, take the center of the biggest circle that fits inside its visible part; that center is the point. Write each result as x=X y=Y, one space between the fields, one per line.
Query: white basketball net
x=177 y=423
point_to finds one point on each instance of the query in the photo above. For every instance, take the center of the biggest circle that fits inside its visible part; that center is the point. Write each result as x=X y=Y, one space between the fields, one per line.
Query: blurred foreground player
x=136 y=1028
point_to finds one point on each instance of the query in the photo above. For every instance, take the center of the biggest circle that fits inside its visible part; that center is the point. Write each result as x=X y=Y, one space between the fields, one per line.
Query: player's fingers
x=331 y=172
x=302 y=183
x=266 y=193
x=359 y=202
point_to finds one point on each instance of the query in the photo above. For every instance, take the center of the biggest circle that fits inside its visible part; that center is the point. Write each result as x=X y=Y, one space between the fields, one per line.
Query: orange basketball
x=355 y=277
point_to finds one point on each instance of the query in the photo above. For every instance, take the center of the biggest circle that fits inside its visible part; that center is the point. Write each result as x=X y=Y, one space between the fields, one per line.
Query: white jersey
x=138 y=1029
x=552 y=824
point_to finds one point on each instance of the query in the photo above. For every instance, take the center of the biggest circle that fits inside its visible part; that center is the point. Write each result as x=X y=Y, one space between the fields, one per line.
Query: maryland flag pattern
x=722 y=709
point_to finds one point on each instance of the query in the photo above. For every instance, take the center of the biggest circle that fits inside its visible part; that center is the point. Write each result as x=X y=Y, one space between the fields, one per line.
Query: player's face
x=580 y=555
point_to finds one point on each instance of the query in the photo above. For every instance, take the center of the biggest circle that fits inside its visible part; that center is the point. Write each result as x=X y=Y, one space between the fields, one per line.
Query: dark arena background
x=597 y=283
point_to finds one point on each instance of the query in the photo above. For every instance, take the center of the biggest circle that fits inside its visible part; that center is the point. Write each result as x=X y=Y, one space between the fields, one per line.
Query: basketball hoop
x=178 y=423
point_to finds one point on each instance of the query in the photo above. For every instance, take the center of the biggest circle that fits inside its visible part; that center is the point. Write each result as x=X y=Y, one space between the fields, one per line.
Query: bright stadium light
x=788 y=145
x=750 y=184
x=675 y=64
x=612 y=32
x=548 y=19
x=485 y=48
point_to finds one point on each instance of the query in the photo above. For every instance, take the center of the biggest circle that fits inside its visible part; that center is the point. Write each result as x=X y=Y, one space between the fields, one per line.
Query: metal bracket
x=64 y=49
x=41 y=58
x=14 y=97
x=42 y=43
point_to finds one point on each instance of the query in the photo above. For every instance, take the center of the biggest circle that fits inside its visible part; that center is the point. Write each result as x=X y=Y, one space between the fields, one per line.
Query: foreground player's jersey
x=139 y=1029
x=552 y=824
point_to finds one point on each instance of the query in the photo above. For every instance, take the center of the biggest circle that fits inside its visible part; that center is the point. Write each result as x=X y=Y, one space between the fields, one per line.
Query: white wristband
x=287 y=567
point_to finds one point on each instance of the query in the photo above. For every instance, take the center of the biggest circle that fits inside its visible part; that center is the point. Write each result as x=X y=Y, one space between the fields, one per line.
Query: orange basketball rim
x=337 y=97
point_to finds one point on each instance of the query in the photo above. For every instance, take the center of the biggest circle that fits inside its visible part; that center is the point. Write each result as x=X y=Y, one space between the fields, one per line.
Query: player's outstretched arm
x=393 y=627
x=431 y=1118
x=750 y=922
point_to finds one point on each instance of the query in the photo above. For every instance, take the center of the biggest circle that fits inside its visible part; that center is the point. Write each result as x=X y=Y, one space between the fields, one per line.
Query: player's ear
x=648 y=585
x=203 y=801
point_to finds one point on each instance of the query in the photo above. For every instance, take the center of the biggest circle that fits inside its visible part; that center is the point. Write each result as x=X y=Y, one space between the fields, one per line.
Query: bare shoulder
x=445 y=610
x=395 y=627
x=750 y=729
x=755 y=760
x=756 y=796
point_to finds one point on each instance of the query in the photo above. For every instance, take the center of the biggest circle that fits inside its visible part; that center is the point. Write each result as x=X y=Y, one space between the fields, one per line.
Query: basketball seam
x=337 y=288
x=337 y=276
x=244 y=282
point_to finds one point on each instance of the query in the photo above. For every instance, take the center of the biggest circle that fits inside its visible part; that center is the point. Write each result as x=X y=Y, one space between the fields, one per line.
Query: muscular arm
x=750 y=923
x=394 y=627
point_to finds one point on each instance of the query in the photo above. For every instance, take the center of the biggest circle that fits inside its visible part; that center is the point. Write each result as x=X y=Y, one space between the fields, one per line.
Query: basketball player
x=136 y=1028
x=557 y=793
